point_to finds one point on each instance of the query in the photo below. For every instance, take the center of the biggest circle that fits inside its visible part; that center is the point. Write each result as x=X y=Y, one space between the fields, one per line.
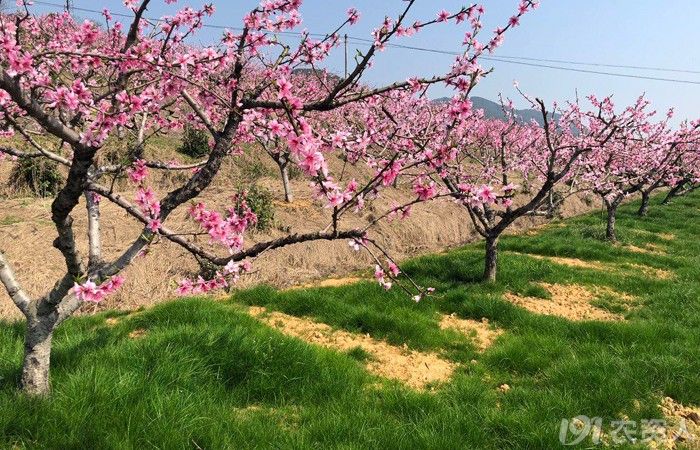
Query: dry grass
x=683 y=425
x=652 y=271
x=649 y=249
x=330 y=282
x=137 y=333
x=608 y=267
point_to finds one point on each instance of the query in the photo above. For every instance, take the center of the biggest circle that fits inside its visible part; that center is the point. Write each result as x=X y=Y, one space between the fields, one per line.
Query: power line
x=503 y=57
x=619 y=66
x=596 y=72
x=518 y=60
x=513 y=60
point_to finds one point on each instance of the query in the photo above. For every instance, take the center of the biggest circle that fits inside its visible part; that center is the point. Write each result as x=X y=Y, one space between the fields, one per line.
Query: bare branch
x=253 y=251
x=7 y=277
x=41 y=151
x=94 y=238
x=200 y=113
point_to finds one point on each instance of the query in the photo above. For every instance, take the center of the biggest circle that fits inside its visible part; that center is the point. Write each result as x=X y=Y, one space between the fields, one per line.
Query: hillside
x=493 y=110
x=27 y=232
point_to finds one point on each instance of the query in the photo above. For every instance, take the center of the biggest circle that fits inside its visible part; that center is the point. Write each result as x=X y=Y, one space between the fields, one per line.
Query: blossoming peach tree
x=644 y=156
x=84 y=85
x=499 y=170
x=685 y=177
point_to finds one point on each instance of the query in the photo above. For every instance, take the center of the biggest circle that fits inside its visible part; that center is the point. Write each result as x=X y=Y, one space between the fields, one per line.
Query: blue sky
x=626 y=32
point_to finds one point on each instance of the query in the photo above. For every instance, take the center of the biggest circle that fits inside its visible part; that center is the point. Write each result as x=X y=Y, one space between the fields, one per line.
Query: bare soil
x=607 y=267
x=682 y=425
x=330 y=282
x=653 y=271
x=482 y=333
x=571 y=262
x=415 y=369
x=649 y=249
x=571 y=301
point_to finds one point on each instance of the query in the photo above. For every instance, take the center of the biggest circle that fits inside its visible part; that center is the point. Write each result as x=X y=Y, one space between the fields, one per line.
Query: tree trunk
x=610 y=231
x=37 y=356
x=644 y=208
x=491 y=259
x=288 y=197
x=673 y=192
x=94 y=238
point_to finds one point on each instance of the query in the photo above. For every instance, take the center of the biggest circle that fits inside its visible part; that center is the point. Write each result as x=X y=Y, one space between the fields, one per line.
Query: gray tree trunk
x=37 y=356
x=491 y=261
x=284 y=170
x=94 y=240
x=610 y=229
x=644 y=208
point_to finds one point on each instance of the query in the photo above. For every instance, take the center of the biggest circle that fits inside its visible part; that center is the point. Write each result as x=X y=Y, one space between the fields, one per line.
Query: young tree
x=685 y=177
x=667 y=154
x=85 y=85
x=640 y=159
x=482 y=163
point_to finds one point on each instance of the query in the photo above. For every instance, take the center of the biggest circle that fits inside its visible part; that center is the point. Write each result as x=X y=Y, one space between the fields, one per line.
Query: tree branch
x=200 y=113
x=7 y=277
x=253 y=251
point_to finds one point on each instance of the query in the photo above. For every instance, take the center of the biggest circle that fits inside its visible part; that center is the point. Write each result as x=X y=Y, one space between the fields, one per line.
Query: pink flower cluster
x=150 y=207
x=76 y=98
x=91 y=292
x=486 y=194
x=145 y=197
x=227 y=230
x=425 y=189
x=138 y=172
x=381 y=277
x=230 y=275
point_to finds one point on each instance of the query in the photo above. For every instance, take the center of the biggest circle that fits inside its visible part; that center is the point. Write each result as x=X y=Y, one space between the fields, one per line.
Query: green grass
x=206 y=375
x=9 y=220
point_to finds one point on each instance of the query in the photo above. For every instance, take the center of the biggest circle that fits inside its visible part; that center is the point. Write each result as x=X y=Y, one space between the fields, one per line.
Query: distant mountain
x=493 y=110
x=306 y=71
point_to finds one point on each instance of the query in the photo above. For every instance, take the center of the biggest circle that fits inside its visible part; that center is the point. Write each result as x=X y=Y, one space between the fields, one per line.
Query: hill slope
x=493 y=110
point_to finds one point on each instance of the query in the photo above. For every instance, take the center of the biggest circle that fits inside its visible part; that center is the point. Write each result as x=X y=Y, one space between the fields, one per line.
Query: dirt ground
x=573 y=302
x=415 y=369
x=26 y=233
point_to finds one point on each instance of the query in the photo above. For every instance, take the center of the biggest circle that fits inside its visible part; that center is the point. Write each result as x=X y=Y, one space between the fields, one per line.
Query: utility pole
x=69 y=6
x=346 y=56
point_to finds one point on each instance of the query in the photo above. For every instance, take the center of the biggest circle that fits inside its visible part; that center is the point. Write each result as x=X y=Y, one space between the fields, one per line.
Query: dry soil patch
x=652 y=271
x=569 y=301
x=330 y=282
x=682 y=425
x=649 y=249
x=679 y=428
x=137 y=333
x=607 y=267
x=571 y=262
x=414 y=368
x=483 y=334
